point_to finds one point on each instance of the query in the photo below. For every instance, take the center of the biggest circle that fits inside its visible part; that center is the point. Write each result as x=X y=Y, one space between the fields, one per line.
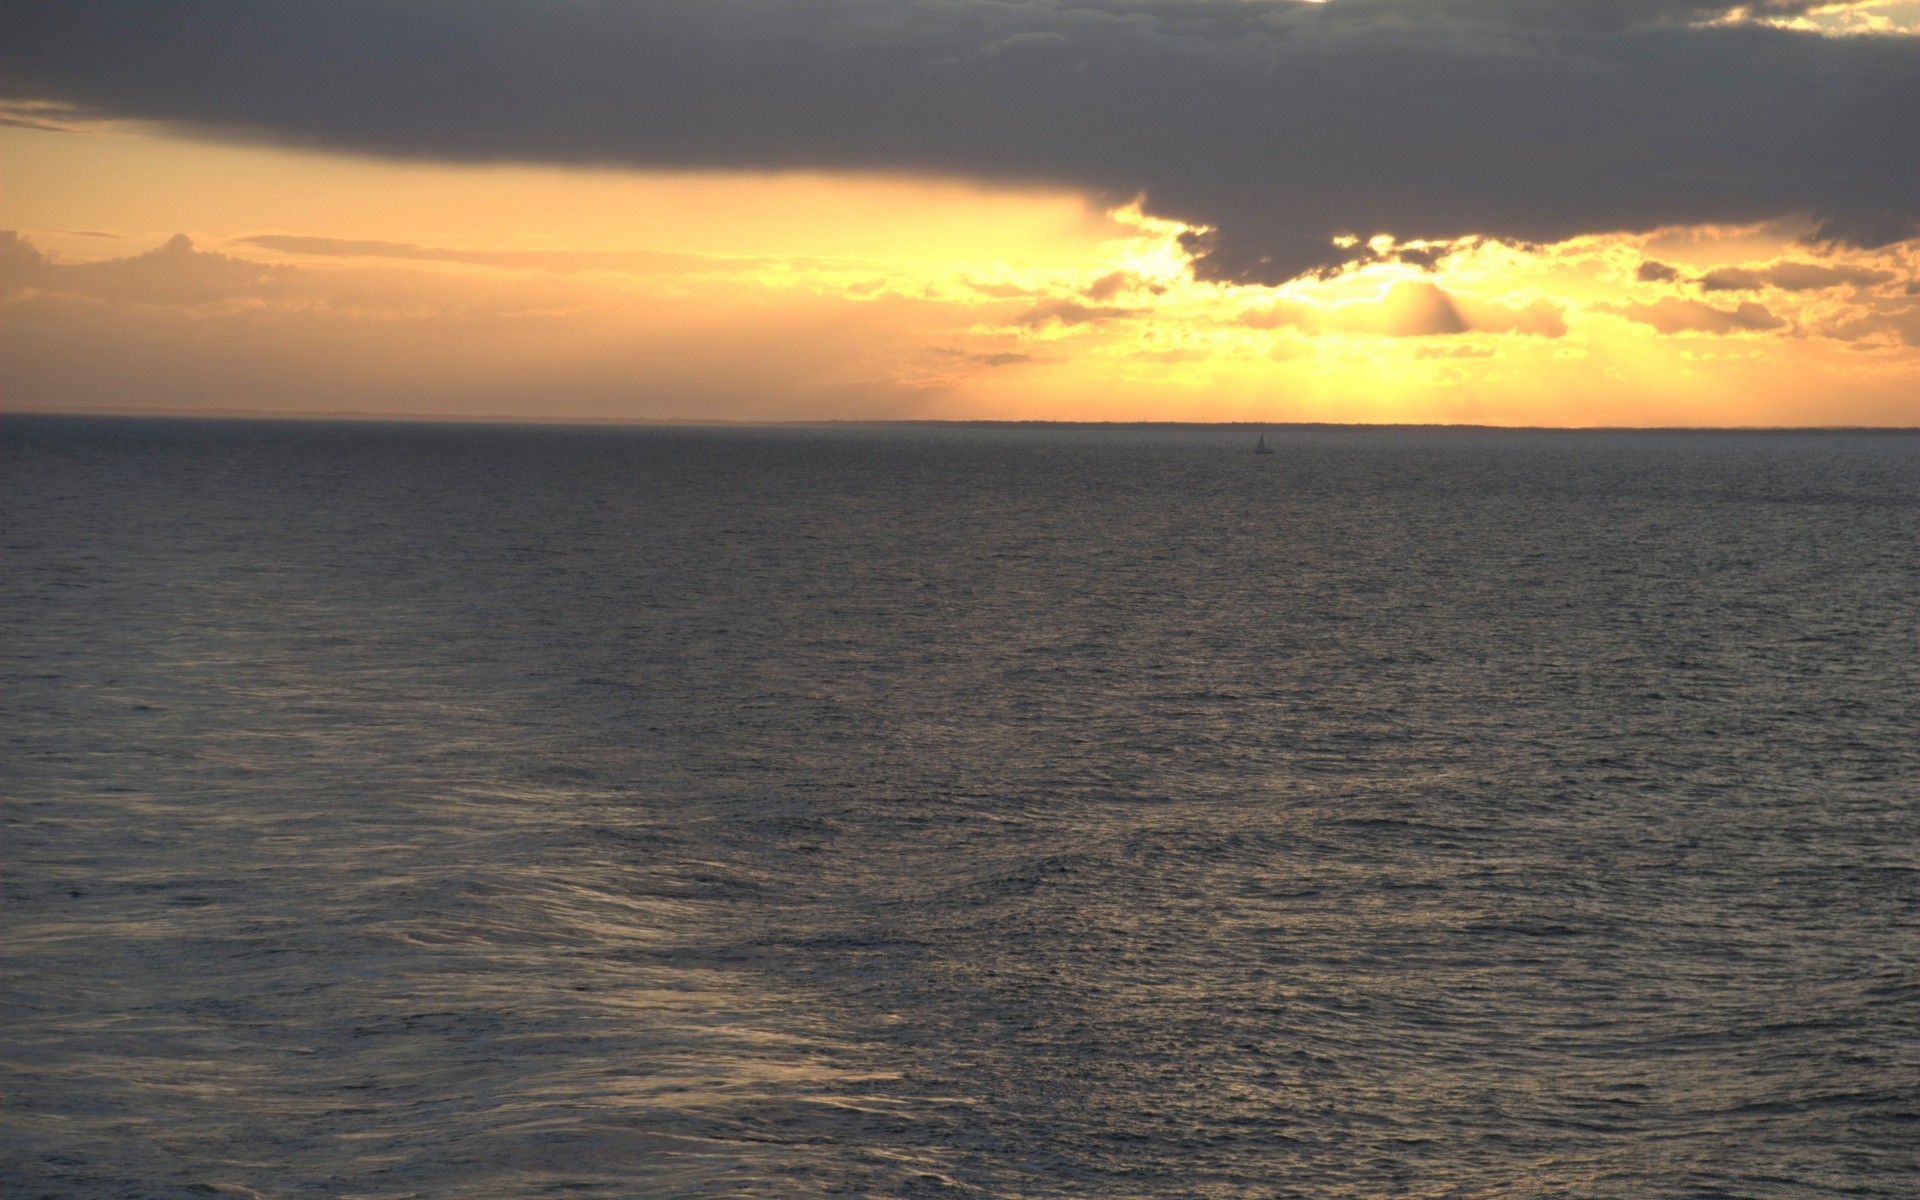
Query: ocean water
x=414 y=811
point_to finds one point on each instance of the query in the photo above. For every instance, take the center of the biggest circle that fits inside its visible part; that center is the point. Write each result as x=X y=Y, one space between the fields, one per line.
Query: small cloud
x=1274 y=316
x=173 y=274
x=18 y=256
x=1806 y=277
x=1185 y=354
x=1731 y=279
x=1415 y=309
x=1674 y=315
x=48 y=116
x=1027 y=42
x=1000 y=291
x=1539 y=319
x=1069 y=312
x=995 y=358
x=337 y=247
x=1424 y=257
x=1454 y=352
x=1790 y=277
x=39 y=126
x=1424 y=309
x=1113 y=284
x=1654 y=271
x=1421 y=310
x=1901 y=325
x=1868 y=228
x=551 y=261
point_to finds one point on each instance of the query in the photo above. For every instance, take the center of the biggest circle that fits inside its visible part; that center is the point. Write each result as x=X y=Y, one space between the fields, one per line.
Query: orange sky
x=328 y=283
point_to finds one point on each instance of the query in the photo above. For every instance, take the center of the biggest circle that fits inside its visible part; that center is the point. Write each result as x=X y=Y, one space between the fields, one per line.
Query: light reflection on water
x=406 y=811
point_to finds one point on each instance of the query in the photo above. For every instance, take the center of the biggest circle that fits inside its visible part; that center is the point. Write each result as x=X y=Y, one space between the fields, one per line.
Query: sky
x=1516 y=212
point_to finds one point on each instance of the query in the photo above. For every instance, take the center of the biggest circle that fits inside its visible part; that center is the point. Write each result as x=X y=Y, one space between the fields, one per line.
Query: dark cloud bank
x=1279 y=123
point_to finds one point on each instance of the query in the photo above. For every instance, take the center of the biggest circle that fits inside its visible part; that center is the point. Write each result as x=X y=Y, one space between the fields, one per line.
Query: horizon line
x=423 y=418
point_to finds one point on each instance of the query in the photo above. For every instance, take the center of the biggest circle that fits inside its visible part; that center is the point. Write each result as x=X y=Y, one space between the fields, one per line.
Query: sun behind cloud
x=151 y=270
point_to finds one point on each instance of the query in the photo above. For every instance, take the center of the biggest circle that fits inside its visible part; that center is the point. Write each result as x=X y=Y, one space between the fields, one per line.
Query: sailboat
x=1262 y=448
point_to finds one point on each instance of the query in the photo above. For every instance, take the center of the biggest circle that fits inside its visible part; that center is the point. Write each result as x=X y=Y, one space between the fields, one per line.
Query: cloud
x=989 y=358
x=1426 y=258
x=181 y=327
x=174 y=274
x=1071 y=312
x=1899 y=325
x=1539 y=319
x=1674 y=315
x=43 y=116
x=557 y=261
x=1424 y=310
x=1420 y=310
x=1116 y=283
x=1000 y=291
x=1652 y=271
x=1414 y=309
x=1281 y=314
x=1277 y=123
x=1790 y=277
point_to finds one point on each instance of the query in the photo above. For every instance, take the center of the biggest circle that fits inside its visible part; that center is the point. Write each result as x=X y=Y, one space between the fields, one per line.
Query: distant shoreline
x=417 y=418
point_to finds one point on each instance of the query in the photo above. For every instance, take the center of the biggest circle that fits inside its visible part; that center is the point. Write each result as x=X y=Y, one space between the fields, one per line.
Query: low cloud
x=175 y=274
x=1674 y=315
x=1419 y=310
x=180 y=327
x=1071 y=312
x=1001 y=291
x=1116 y=283
x=1415 y=309
x=1541 y=318
x=42 y=116
x=1427 y=258
x=1900 y=326
x=555 y=261
x=1791 y=277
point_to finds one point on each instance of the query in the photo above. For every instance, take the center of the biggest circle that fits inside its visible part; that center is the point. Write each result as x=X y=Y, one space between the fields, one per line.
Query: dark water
x=494 y=812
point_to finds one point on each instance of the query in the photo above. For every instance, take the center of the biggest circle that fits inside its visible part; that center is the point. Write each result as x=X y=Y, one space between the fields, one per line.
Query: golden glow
x=1846 y=18
x=330 y=283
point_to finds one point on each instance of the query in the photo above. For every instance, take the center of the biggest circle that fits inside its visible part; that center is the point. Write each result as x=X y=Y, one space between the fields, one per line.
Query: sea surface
x=484 y=811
